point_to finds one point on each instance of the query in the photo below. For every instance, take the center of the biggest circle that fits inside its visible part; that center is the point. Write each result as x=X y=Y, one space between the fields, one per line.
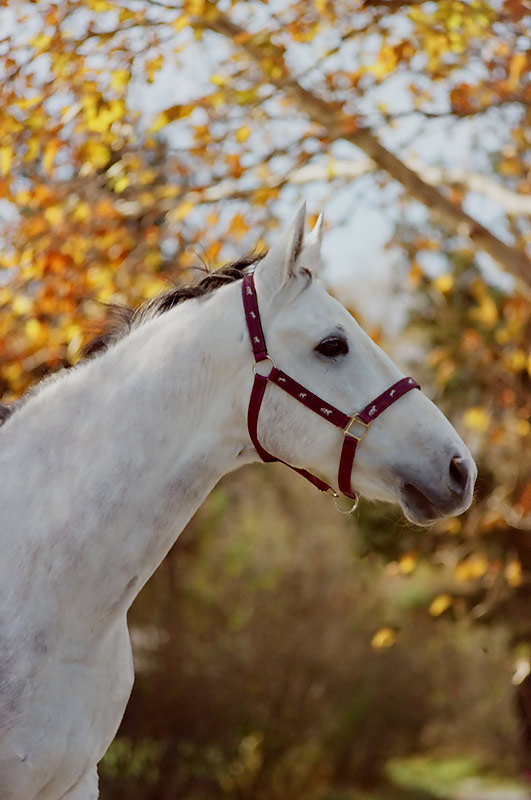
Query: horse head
x=410 y=455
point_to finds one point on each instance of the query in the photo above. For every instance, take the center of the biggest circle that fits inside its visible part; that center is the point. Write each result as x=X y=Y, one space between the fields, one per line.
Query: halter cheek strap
x=354 y=427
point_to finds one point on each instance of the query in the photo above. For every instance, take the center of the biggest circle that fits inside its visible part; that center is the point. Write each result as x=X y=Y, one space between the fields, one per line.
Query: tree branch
x=511 y=202
x=337 y=125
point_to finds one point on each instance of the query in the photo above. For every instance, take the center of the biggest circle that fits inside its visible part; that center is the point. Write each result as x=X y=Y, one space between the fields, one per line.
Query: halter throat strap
x=354 y=427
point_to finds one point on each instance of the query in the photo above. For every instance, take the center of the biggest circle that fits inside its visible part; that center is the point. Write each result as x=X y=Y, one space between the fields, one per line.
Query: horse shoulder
x=61 y=714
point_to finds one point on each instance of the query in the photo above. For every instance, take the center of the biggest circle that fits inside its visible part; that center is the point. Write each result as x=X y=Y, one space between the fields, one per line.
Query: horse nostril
x=459 y=472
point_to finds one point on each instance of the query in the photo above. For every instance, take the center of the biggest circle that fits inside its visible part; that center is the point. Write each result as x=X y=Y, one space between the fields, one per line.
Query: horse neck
x=119 y=454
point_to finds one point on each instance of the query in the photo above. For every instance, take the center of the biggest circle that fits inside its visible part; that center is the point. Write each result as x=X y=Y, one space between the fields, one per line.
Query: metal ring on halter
x=345 y=511
x=263 y=361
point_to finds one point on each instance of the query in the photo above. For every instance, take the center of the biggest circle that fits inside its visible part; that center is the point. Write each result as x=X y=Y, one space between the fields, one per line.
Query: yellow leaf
x=485 y=312
x=29 y=102
x=120 y=78
x=171 y=114
x=181 y=211
x=21 y=305
x=385 y=637
x=440 y=604
x=523 y=427
x=516 y=361
x=445 y=372
x=153 y=259
x=41 y=41
x=81 y=211
x=472 y=568
x=245 y=96
x=408 y=563
x=152 y=66
x=50 y=151
x=12 y=372
x=219 y=80
x=73 y=336
x=33 y=148
x=35 y=331
x=444 y=283
x=387 y=61
x=454 y=20
x=212 y=251
x=100 y=5
x=150 y=286
x=243 y=134
x=415 y=274
x=100 y=116
x=6 y=159
x=477 y=418
x=181 y=22
x=518 y=64
x=502 y=336
x=121 y=184
x=53 y=214
x=195 y=6
x=96 y=153
x=461 y=572
x=513 y=572
x=124 y=14
x=451 y=525
x=238 y=226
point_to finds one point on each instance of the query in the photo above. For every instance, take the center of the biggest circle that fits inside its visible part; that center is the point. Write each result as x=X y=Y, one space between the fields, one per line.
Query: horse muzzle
x=426 y=500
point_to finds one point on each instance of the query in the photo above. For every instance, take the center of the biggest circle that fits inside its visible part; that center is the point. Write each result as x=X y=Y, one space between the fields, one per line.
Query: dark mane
x=122 y=319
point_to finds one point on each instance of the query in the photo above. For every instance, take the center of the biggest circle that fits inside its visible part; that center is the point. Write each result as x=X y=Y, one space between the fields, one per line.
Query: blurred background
x=283 y=650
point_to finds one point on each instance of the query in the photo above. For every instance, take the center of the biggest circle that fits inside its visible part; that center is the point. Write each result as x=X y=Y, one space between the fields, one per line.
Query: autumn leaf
x=238 y=226
x=383 y=638
x=171 y=114
x=477 y=418
x=6 y=159
x=152 y=66
x=242 y=134
x=513 y=573
x=440 y=604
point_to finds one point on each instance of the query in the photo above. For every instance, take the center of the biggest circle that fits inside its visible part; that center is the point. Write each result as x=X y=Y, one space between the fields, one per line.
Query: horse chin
x=417 y=508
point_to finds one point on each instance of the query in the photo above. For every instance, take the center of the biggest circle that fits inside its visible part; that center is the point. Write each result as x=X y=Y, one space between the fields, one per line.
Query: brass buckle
x=358 y=421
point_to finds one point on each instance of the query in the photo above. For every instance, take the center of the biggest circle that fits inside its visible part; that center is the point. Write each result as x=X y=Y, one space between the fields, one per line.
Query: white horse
x=103 y=466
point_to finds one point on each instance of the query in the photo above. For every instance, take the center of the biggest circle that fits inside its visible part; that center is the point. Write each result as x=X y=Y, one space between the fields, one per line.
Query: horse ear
x=312 y=245
x=278 y=266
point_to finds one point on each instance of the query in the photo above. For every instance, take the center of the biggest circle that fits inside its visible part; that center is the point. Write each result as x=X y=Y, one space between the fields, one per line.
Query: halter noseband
x=355 y=427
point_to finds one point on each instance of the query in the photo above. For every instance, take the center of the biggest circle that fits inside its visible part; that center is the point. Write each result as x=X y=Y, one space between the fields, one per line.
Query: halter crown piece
x=355 y=427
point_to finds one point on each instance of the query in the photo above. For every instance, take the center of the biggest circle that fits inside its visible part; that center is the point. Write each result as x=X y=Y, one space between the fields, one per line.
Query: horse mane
x=122 y=319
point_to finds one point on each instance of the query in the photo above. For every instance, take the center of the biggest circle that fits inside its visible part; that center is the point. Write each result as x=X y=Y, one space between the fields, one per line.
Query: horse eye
x=333 y=346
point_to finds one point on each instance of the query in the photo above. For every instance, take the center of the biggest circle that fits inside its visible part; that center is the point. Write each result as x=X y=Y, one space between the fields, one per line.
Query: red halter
x=355 y=427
